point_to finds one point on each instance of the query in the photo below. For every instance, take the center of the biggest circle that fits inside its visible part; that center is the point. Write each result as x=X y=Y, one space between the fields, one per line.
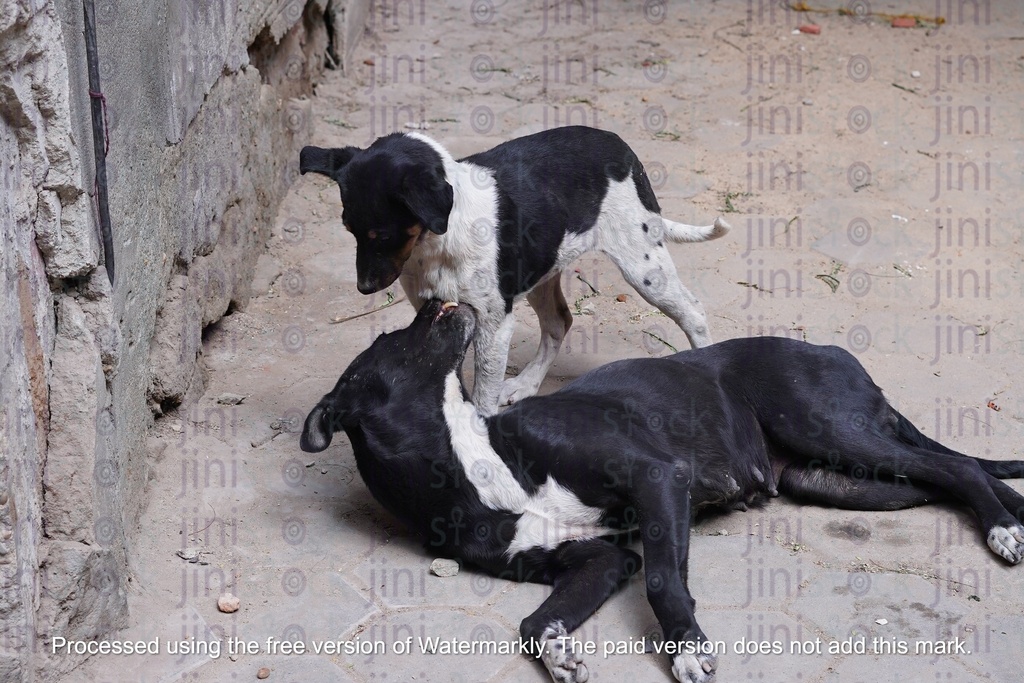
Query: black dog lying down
x=545 y=489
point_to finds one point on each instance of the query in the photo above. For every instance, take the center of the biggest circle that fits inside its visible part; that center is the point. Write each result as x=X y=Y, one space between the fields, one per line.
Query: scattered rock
x=812 y=29
x=262 y=439
x=881 y=622
x=285 y=424
x=808 y=102
x=915 y=74
x=368 y=62
x=622 y=298
x=904 y=22
x=265 y=672
x=444 y=568
x=227 y=604
x=587 y=309
x=228 y=399
x=233 y=658
x=192 y=555
x=310 y=463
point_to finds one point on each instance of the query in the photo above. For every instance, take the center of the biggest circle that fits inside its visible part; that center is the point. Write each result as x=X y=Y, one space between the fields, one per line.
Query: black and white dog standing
x=548 y=490
x=500 y=224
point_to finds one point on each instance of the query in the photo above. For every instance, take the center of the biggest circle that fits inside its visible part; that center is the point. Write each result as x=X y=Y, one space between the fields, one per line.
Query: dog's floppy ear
x=321 y=423
x=430 y=198
x=325 y=161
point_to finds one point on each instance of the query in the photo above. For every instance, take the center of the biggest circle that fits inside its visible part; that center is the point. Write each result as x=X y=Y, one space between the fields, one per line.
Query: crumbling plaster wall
x=206 y=110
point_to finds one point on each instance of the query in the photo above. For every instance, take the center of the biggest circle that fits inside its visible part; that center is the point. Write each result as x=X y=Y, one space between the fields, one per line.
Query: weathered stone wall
x=47 y=241
x=207 y=108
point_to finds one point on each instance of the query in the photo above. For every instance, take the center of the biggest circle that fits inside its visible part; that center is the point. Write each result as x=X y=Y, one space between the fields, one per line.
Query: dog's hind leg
x=648 y=267
x=910 y=434
x=957 y=476
x=1011 y=500
x=590 y=571
x=1001 y=522
x=994 y=469
x=555 y=320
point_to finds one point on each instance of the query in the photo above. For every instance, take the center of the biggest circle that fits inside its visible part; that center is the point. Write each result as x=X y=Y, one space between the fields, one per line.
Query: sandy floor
x=871 y=175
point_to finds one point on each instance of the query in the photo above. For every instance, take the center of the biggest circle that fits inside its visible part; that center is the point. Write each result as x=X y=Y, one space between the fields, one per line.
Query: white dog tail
x=680 y=232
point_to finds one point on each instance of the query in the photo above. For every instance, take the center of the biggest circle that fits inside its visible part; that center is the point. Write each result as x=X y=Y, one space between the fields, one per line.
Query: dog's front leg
x=589 y=572
x=664 y=513
x=490 y=347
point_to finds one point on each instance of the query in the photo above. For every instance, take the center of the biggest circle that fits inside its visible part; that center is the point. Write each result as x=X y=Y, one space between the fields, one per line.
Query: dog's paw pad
x=1008 y=543
x=564 y=664
x=694 y=668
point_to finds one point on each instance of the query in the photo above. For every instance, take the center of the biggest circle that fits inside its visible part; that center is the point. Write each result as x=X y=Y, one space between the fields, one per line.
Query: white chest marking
x=461 y=265
x=551 y=516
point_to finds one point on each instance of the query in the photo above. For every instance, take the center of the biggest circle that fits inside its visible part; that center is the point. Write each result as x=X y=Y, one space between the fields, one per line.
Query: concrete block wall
x=207 y=106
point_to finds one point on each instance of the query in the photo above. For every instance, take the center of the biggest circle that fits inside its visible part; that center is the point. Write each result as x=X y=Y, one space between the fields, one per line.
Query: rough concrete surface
x=872 y=209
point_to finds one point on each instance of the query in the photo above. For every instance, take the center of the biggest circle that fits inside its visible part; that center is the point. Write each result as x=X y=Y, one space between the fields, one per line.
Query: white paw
x=1008 y=543
x=720 y=228
x=516 y=389
x=564 y=665
x=694 y=668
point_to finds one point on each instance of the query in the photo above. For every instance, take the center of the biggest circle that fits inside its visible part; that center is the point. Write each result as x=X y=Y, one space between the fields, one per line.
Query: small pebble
x=444 y=568
x=808 y=102
x=228 y=603
x=588 y=309
x=904 y=22
x=263 y=673
x=260 y=440
x=189 y=554
x=915 y=74
x=621 y=298
x=228 y=399
x=812 y=29
x=881 y=622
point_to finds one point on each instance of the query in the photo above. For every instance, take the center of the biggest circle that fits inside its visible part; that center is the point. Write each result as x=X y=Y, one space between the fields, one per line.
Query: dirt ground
x=870 y=176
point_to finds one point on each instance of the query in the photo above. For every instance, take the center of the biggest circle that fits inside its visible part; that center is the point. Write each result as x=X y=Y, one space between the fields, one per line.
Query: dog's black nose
x=365 y=287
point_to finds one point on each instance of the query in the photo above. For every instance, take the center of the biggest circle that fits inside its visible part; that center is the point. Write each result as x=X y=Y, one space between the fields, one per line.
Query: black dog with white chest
x=550 y=490
x=503 y=224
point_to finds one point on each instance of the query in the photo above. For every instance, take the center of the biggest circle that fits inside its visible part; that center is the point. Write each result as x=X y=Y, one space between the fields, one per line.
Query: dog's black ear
x=321 y=423
x=430 y=198
x=325 y=161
